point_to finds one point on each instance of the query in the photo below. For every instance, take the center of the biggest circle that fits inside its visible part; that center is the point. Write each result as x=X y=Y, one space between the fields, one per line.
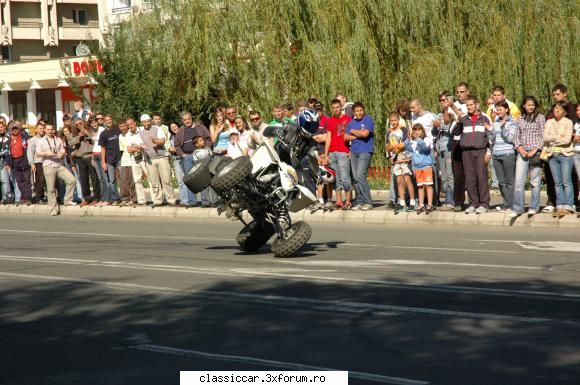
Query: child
x=422 y=165
x=399 y=163
x=200 y=152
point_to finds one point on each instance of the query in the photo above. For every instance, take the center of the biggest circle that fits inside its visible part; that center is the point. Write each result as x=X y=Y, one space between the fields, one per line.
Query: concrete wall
x=27 y=50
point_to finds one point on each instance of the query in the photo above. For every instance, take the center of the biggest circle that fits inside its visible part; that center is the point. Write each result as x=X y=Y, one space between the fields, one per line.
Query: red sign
x=87 y=67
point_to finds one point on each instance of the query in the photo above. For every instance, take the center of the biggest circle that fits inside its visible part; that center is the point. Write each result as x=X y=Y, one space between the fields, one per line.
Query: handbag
x=536 y=160
x=544 y=155
x=138 y=156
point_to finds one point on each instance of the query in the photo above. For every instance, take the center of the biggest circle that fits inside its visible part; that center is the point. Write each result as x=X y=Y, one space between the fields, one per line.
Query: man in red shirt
x=18 y=162
x=337 y=153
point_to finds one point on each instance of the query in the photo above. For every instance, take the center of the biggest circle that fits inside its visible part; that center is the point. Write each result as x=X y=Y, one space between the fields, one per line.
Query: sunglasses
x=254 y=119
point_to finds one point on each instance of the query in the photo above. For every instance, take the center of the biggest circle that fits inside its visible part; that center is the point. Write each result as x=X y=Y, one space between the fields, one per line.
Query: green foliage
x=197 y=54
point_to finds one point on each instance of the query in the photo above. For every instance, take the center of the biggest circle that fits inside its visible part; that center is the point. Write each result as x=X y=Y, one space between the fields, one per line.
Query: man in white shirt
x=138 y=169
x=157 y=162
x=423 y=117
x=51 y=150
x=127 y=184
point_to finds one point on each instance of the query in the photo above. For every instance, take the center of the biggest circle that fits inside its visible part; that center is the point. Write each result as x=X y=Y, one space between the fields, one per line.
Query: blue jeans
x=522 y=167
x=112 y=192
x=447 y=180
x=4 y=179
x=77 y=197
x=17 y=194
x=505 y=167
x=186 y=196
x=577 y=164
x=561 y=167
x=341 y=165
x=494 y=181
x=393 y=187
x=360 y=163
x=101 y=177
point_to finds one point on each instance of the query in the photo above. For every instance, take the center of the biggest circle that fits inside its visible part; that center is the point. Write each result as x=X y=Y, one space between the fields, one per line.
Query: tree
x=197 y=54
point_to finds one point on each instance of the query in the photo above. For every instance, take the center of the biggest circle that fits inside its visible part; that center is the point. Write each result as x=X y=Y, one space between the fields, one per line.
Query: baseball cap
x=145 y=117
x=233 y=131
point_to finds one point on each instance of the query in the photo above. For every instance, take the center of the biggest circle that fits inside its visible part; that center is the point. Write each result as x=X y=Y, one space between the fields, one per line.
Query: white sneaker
x=470 y=210
x=481 y=210
x=548 y=209
x=513 y=214
x=532 y=212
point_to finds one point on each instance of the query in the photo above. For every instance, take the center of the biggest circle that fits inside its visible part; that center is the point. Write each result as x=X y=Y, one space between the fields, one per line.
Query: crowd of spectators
x=434 y=157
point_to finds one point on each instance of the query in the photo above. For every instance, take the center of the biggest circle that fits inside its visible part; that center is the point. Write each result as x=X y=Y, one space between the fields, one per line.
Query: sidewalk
x=377 y=216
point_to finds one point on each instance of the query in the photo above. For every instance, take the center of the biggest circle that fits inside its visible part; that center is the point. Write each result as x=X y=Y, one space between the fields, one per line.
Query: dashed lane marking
x=275 y=364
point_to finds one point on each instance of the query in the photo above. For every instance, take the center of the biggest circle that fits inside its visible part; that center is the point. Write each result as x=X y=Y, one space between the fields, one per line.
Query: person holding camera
x=51 y=149
x=87 y=172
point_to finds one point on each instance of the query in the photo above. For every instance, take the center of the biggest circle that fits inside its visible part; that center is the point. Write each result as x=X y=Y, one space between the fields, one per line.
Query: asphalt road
x=113 y=301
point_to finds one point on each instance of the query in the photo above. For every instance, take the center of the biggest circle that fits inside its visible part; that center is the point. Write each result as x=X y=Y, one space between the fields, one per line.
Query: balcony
x=27 y=30
x=90 y=24
x=77 y=31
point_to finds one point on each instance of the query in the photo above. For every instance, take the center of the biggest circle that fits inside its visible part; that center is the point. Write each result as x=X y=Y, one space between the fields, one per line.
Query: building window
x=79 y=16
x=45 y=105
x=17 y=104
x=5 y=53
x=120 y=4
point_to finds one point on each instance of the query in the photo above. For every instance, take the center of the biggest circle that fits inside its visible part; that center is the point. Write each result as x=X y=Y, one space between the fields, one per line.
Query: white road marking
x=285 y=301
x=454 y=250
x=547 y=246
x=252 y=272
x=115 y=235
x=387 y=262
x=275 y=364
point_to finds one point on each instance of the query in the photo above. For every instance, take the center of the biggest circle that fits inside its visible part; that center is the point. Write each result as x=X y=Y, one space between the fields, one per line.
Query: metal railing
x=27 y=24
x=90 y=24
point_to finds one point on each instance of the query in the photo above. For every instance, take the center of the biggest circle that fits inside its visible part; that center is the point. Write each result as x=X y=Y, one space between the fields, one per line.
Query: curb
x=377 y=216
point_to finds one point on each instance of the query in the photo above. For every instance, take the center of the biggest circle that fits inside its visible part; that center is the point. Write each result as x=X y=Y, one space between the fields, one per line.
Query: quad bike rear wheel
x=254 y=235
x=232 y=174
x=296 y=237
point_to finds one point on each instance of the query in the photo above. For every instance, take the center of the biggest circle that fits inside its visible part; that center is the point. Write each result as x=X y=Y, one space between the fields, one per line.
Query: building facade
x=44 y=42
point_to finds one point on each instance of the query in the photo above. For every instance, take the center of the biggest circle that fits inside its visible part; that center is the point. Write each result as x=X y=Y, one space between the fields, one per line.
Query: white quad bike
x=264 y=186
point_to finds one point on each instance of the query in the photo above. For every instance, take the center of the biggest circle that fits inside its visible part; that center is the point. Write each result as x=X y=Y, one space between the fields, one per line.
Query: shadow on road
x=69 y=333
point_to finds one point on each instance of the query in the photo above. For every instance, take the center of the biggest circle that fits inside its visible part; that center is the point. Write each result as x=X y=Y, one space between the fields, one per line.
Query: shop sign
x=87 y=67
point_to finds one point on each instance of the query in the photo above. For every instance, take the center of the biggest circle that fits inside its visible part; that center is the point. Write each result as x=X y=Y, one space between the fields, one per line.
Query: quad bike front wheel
x=296 y=237
x=232 y=174
x=199 y=177
x=254 y=235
